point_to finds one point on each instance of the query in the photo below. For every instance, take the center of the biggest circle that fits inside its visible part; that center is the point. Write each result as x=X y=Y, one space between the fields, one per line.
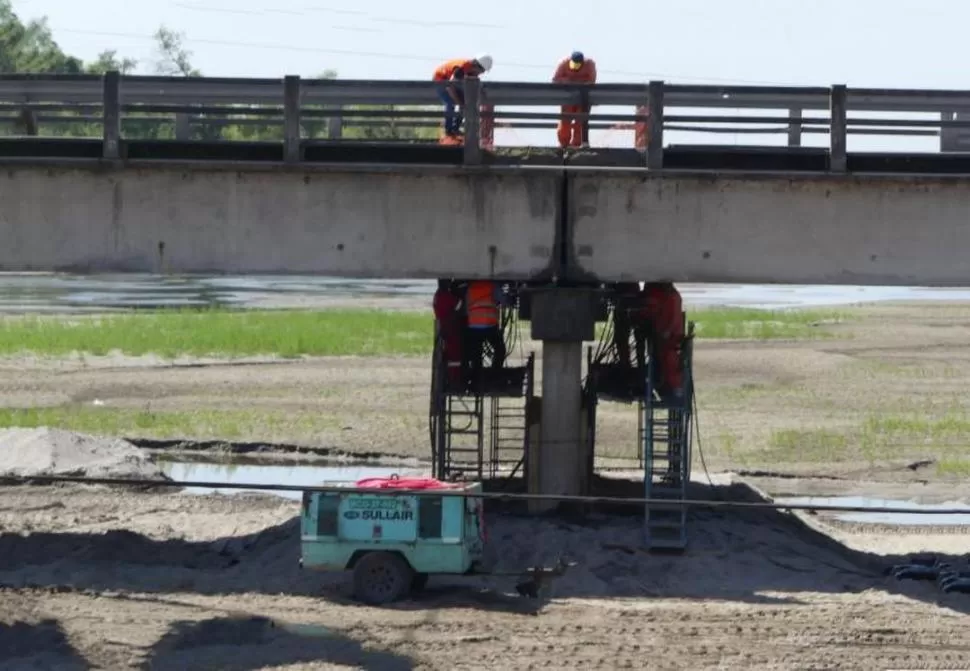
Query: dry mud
x=99 y=578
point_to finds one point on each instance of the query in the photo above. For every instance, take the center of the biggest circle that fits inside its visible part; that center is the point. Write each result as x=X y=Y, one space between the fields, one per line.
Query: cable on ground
x=330 y=489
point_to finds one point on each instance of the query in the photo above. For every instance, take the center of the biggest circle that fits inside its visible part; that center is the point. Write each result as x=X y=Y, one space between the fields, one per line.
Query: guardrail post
x=111 y=115
x=585 y=121
x=838 y=132
x=291 y=118
x=183 y=129
x=335 y=126
x=473 y=121
x=795 y=127
x=655 y=126
x=949 y=135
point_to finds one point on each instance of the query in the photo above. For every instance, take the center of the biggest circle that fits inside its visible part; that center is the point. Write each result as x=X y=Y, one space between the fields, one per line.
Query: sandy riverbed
x=95 y=578
x=173 y=581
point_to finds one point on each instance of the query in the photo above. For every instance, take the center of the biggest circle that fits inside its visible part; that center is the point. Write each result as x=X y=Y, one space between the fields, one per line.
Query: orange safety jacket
x=482 y=308
x=586 y=74
x=446 y=71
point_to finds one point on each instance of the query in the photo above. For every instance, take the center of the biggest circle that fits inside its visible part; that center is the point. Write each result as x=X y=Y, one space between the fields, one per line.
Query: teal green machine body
x=436 y=533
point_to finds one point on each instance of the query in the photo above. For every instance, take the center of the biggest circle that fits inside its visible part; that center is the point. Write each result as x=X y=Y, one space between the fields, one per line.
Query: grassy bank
x=878 y=438
x=203 y=424
x=752 y=324
x=291 y=333
x=287 y=333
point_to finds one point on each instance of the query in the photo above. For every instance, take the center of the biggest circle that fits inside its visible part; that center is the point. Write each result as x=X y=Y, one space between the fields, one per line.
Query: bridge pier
x=562 y=318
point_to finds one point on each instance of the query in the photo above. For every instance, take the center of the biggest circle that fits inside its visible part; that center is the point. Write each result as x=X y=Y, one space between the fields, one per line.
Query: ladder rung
x=661 y=491
x=665 y=524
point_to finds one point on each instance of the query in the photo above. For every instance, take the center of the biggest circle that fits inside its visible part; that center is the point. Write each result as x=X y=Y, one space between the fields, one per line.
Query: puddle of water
x=909 y=519
x=274 y=475
x=780 y=297
x=305 y=630
x=61 y=293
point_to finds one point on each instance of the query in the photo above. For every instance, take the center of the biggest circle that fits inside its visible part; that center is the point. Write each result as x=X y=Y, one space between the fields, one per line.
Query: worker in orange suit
x=663 y=312
x=446 y=306
x=577 y=69
x=483 y=301
x=452 y=96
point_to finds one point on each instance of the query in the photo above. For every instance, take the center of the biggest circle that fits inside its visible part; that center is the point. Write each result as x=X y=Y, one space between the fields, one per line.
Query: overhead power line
x=318 y=9
x=545 y=68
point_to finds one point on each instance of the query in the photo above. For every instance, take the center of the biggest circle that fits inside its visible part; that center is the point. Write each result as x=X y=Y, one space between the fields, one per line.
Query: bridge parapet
x=306 y=113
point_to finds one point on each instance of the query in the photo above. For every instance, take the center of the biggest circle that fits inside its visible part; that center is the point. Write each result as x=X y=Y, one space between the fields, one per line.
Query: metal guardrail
x=290 y=100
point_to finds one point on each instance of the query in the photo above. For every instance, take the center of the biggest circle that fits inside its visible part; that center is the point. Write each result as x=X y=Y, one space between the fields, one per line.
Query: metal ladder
x=457 y=425
x=509 y=427
x=464 y=435
x=508 y=431
x=665 y=429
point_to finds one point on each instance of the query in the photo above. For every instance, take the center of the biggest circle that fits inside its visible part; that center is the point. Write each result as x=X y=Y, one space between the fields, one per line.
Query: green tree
x=107 y=61
x=30 y=47
x=174 y=60
x=379 y=127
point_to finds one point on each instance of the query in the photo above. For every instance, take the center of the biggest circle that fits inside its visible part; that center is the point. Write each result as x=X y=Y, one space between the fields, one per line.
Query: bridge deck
x=398 y=154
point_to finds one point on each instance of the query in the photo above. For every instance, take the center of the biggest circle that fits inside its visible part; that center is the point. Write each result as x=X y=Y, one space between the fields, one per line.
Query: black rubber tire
x=382 y=577
x=419 y=582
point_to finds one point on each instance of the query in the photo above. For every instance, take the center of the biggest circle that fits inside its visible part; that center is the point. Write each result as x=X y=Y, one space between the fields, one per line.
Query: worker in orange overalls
x=575 y=69
x=663 y=312
x=482 y=305
x=452 y=96
x=446 y=306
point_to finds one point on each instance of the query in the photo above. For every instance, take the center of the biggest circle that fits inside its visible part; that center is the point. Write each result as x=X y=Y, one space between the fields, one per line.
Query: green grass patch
x=753 y=324
x=957 y=467
x=224 y=333
x=923 y=429
x=808 y=445
x=197 y=424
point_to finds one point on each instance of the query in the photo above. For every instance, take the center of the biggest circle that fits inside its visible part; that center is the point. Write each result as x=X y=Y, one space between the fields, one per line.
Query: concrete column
x=560 y=449
x=562 y=318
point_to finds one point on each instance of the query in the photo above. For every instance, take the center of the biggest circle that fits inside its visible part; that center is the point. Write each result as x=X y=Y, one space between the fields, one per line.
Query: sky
x=887 y=43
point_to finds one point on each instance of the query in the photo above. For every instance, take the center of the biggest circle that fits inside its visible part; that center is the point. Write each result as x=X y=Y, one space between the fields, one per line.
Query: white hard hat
x=485 y=61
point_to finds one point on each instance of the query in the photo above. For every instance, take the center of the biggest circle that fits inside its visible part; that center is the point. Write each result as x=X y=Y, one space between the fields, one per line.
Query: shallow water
x=273 y=475
x=87 y=293
x=907 y=519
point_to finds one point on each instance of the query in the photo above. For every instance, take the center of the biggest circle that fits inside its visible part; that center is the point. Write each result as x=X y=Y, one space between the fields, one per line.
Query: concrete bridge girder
x=380 y=224
x=770 y=229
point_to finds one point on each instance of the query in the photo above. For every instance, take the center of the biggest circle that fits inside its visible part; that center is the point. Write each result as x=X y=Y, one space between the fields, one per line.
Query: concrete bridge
x=568 y=221
x=507 y=223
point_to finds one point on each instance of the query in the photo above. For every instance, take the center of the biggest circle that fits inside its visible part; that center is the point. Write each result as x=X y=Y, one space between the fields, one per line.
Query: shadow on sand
x=244 y=643
x=40 y=645
x=755 y=556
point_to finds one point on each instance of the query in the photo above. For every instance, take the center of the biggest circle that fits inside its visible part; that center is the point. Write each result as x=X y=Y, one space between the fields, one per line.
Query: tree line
x=29 y=48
